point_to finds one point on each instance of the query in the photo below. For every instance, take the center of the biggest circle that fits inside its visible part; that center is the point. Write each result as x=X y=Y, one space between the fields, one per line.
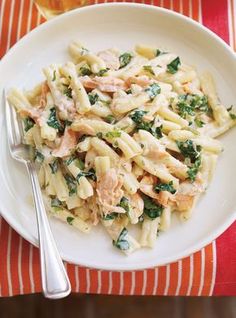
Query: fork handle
x=55 y=282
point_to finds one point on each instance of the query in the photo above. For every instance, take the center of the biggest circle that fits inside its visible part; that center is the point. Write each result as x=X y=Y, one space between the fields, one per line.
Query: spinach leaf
x=137 y=116
x=28 y=123
x=88 y=174
x=68 y=91
x=110 y=216
x=56 y=203
x=110 y=119
x=124 y=203
x=151 y=209
x=53 y=120
x=70 y=219
x=188 y=104
x=153 y=90
x=85 y=70
x=193 y=170
x=232 y=115
x=102 y=72
x=54 y=166
x=122 y=242
x=173 y=66
x=165 y=187
x=125 y=59
x=71 y=184
x=99 y=135
x=199 y=123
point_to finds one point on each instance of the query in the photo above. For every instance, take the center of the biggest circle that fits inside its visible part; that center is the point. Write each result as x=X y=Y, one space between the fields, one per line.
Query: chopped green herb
x=110 y=119
x=54 y=76
x=84 y=51
x=79 y=163
x=70 y=219
x=53 y=121
x=125 y=59
x=102 y=72
x=67 y=91
x=71 y=184
x=173 y=66
x=56 y=204
x=85 y=70
x=165 y=187
x=151 y=209
x=38 y=156
x=158 y=132
x=99 y=135
x=69 y=160
x=122 y=242
x=188 y=104
x=67 y=122
x=153 y=90
x=199 y=123
x=88 y=174
x=141 y=218
x=93 y=98
x=128 y=91
x=232 y=116
x=54 y=166
x=110 y=216
x=113 y=134
x=193 y=170
x=28 y=123
x=189 y=149
x=149 y=69
x=158 y=52
x=137 y=116
x=124 y=203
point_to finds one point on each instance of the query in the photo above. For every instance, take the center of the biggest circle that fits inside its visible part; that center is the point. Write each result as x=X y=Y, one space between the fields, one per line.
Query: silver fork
x=55 y=282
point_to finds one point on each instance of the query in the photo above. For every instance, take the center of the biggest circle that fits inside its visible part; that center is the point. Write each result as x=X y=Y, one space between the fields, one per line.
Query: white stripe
x=181 y=10
x=121 y=283
x=29 y=17
x=1 y=16
x=191 y=8
x=10 y=25
x=132 y=289
x=167 y=279
x=20 y=20
x=9 y=261
x=19 y=265
x=200 y=11
x=0 y=235
x=76 y=279
x=152 y=2
x=144 y=282
x=171 y=5
x=155 y=281
x=31 y=276
x=202 y=272
x=87 y=280
x=99 y=282
x=214 y=265
x=190 y=276
x=110 y=283
x=230 y=24
x=179 y=277
x=162 y=3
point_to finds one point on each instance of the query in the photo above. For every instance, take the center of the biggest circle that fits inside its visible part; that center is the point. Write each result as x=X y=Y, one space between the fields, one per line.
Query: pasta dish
x=123 y=139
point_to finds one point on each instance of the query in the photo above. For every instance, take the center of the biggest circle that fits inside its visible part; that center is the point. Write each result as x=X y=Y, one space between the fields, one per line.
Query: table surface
x=211 y=271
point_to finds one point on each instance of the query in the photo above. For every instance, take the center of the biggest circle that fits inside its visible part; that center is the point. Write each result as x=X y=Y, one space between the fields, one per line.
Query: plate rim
x=141 y=265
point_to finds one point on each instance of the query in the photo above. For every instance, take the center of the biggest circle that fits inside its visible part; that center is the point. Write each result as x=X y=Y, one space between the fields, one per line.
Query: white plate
x=122 y=25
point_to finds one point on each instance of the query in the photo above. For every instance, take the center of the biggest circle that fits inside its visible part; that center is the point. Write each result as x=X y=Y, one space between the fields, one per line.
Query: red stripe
x=215 y=17
x=173 y=279
x=14 y=263
x=127 y=283
x=150 y=281
x=36 y=270
x=3 y=262
x=138 y=282
x=161 y=280
x=15 y=23
x=82 y=280
x=71 y=274
x=116 y=283
x=25 y=267
x=226 y=263
x=5 y=22
x=93 y=281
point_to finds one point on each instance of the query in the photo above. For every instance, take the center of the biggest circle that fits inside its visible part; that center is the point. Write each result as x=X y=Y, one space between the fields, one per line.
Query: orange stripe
x=161 y=280
x=176 y=6
x=185 y=276
x=138 y=282
x=233 y=23
x=25 y=267
x=71 y=274
x=93 y=281
x=116 y=283
x=195 y=9
x=173 y=279
x=197 y=273
x=25 y=18
x=82 y=279
x=208 y=270
x=36 y=270
x=150 y=281
x=14 y=263
x=186 y=7
x=127 y=283
x=105 y=282
x=166 y=4
x=3 y=264
x=15 y=23
x=34 y=17
x=156 y=3
x=5 y=23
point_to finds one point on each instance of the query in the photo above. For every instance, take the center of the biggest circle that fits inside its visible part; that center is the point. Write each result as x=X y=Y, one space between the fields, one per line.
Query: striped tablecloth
x=211 y=271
